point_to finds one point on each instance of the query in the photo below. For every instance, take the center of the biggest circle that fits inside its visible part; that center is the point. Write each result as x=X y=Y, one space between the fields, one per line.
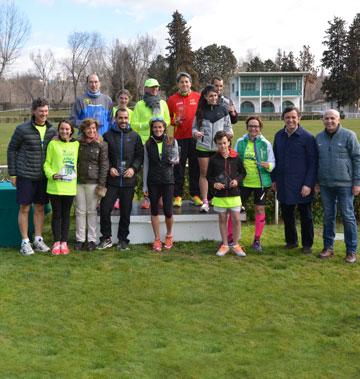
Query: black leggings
x=166 y=191
x=60 y=222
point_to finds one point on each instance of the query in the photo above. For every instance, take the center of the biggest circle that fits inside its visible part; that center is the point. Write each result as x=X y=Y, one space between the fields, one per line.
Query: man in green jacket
x=150 y=106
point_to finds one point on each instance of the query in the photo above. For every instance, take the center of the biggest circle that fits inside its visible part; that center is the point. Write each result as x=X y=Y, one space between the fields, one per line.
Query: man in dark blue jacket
x=294 y=178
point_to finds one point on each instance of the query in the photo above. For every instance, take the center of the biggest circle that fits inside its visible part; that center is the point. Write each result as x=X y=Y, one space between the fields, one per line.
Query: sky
x=259 y=27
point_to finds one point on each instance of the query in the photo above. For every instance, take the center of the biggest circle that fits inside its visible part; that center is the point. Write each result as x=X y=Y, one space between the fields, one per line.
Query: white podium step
x=189 y=224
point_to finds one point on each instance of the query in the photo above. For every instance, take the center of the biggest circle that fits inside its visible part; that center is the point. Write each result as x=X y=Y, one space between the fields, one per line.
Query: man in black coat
x=26 y=155
x=126 y=155
x=294 y=178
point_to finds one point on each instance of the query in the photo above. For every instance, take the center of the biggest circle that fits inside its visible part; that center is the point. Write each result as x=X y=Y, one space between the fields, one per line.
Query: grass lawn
x=187 y=314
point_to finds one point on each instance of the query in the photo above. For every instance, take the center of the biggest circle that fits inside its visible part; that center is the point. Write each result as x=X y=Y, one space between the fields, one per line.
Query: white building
x=267 y=92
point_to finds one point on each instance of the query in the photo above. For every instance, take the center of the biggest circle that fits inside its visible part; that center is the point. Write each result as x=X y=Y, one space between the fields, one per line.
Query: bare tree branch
x=44 y=67
x=14 y=32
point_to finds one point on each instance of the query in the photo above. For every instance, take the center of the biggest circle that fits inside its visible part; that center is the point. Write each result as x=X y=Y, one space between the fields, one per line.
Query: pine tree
x=214 y=60
x=335 y=86
x=256 y=65
x=180 y=56
x=353 y=61
x=306 y=62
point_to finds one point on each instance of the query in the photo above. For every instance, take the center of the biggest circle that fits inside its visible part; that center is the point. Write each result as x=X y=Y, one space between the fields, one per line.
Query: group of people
x=114 y=143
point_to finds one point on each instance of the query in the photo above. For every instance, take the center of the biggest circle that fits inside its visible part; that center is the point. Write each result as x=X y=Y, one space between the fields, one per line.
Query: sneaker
x=117 y=204
x=26 y=249
x=242 y=209
x=177 y=202
x=41 y=246
x=145 y=204
x=157 y=245
x=56 y=248
x=230 y=241
x=238 y=250
x=223 y=249
x=104 y=244
x=123 y=245
x=257 y=246
x=91 y=246
x=196 y=200
x=350 y=258
x=205 y=208
x=64 y=248
x=79 y=246
x=326 y=253
x=168 y=242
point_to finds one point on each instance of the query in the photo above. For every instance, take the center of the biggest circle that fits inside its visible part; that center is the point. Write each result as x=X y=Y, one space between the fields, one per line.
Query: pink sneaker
x=64 y=248
x=56 y=249
x=157 y=245
x=168 y=242
x=145 y=204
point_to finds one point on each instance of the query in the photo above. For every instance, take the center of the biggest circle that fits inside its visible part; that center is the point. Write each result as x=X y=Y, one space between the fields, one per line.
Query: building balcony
x=254 y=93
x=291 y=92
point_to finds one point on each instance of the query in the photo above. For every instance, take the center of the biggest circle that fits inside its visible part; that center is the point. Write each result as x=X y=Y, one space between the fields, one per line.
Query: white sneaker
x=41 y=246
x=205 y=208
x=26 y=249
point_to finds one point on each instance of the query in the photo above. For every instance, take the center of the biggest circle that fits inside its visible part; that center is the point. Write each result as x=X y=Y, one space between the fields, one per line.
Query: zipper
x=257 y=164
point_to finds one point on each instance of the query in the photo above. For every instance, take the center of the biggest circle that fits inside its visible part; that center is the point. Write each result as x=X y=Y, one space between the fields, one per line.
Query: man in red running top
x=182 y=107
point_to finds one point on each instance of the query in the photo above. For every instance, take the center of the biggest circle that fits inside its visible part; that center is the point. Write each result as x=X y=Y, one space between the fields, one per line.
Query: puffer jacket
x=26 y=154
x=221 y=170
x=215 y=118
x=124 y=146
x=93 y=162
x=159 y=170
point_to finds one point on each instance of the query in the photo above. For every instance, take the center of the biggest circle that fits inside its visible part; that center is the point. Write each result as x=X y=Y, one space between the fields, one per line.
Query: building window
x=289 y=86
x=269 y=86
x=250 y=86
x=247 y=107
x=267 y=107
x=232 y=87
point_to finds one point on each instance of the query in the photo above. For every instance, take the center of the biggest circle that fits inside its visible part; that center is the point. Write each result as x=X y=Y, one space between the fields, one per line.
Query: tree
x=44 y=66
x=140 y=57
x=306 y=62
x=214 y=60
x=180 y=56
x=158 y=69
x=58 y=88
x=29 y=85
x=288 y=62
x=14 y=32
x=255 y=65
x=118 y=68
x=269 y=66
x=335 y=86
x=82 y=45
x=353 y=61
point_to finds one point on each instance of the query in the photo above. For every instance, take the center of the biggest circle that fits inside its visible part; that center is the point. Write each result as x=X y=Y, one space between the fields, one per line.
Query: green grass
x=187 y=314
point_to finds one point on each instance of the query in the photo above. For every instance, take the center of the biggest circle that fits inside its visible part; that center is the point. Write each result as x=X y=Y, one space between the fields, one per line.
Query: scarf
x=153 y=102
x=93 y=94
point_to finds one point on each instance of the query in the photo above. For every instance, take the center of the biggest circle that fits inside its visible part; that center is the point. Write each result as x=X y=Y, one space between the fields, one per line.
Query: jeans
x=86 y=202
x=330 y=197
x=306 y=221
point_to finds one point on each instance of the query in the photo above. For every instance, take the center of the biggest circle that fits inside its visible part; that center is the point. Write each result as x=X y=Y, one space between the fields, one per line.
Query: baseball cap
x=151 y=83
